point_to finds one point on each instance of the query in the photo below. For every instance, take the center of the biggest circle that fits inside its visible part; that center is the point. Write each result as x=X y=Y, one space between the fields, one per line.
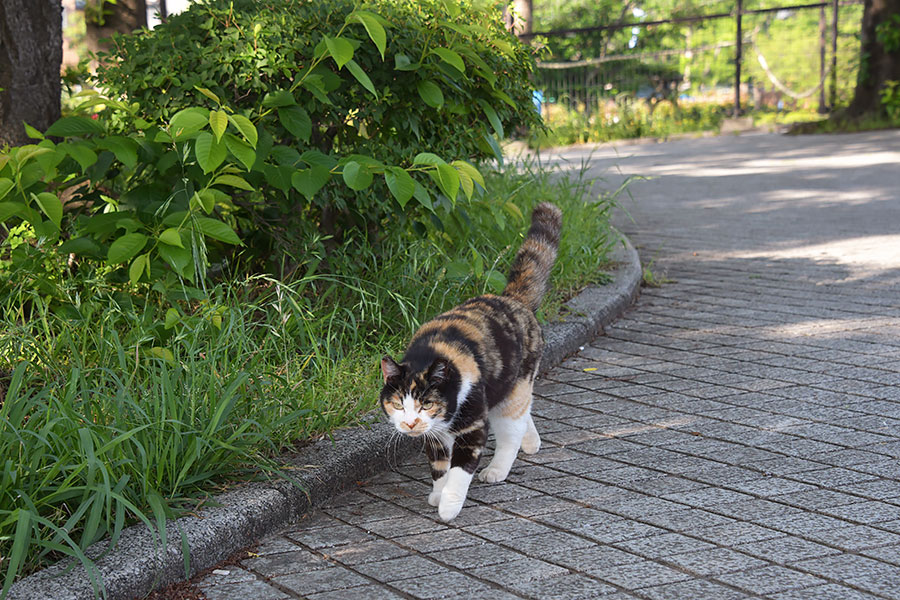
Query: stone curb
x=248 y=513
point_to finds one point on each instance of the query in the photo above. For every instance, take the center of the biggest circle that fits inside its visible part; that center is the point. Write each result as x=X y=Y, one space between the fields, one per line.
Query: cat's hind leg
x=531 y=441
x=511 y=423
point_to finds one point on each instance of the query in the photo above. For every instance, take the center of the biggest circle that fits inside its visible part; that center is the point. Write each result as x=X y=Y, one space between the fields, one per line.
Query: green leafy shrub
x=400 y=77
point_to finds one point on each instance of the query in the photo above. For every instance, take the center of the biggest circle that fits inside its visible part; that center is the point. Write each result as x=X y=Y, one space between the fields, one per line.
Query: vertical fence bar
x=737 y=58
x=835 y=8
x=822 y=36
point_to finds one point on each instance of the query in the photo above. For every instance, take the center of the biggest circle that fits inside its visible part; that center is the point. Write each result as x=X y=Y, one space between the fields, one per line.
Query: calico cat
x=474 y=367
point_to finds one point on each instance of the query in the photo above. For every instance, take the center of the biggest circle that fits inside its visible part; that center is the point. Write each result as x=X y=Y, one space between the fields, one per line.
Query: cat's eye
x=397 y=403
x=427 y=404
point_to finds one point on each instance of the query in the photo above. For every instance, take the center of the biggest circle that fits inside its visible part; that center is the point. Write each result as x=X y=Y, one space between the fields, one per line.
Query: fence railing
x=779 y=57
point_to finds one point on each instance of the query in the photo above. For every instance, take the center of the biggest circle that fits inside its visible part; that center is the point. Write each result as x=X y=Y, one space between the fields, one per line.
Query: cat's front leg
x=438 y=451
x=467 y=451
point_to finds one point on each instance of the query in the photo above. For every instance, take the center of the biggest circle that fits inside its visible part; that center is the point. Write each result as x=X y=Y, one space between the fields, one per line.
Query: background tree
x=103 y=18
x=879 y=56
x=30 y=57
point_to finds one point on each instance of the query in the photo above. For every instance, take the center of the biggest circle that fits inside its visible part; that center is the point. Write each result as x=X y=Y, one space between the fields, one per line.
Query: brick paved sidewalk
x=736 y=435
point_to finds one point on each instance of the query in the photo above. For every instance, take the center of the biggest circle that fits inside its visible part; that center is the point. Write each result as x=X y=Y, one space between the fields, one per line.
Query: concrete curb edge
x=244 y=515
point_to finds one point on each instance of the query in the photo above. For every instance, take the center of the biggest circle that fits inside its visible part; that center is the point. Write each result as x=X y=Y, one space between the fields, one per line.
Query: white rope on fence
x=783 y=88
x=642 y=55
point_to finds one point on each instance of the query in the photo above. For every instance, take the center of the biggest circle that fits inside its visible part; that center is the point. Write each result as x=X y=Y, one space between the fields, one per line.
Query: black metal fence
x=751 y=57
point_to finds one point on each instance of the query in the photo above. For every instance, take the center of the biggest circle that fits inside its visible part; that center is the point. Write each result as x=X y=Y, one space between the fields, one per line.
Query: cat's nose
x=413 y=424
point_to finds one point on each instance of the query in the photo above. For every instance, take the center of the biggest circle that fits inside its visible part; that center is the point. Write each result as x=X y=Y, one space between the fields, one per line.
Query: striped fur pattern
x=472 y=369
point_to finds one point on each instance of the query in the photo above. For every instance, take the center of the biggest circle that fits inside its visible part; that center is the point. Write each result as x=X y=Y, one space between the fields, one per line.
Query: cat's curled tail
x=530 y=270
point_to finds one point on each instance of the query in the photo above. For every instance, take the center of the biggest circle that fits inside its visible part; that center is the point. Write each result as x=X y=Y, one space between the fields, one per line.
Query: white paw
x=492 y=474
x=449 y=507
x=530 y=445
x=434 y=498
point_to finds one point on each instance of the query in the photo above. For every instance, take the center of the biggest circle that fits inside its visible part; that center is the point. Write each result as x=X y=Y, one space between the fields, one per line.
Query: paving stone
x=517 y=571
x=587 y=560
x=258 y=590
x=769 y=580
x=714 y=561
x=661 y=546
x=444 y=585
x=323 y=580
x=785 y=550
x=857 y=537
x=327 y=537
x=639 y=575
x=831 y=591
x=469 y=557
x=865 y=512
x=541 y=545
x=365 y=552
x=298 y=561
x=444 y=539
x=366 y=592
x=692 y=590
x=405 y=567
x=563 y=587
x=732 y=534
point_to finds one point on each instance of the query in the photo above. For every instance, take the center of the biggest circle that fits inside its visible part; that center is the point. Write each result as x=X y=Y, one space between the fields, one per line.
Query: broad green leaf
x=491 y=114
x=361 y=76
x=309 y=181
x=422 y=195
x=448 y=180
x=458 y=269
x=204 y=200
x=172 y=318
x=356 y=176
x=340 y=49
x=428 y=158
x=125 y=248
x=452 y=7
x=5 y=186
x=494 y=146
x=8 y=209
x=373 y=28
x=217 y=230
x=314 y=157
x=233 y=181
x=401 y=184
x=500 y=95
x=246 y=127
x=178 y=258
x=50 y=205
x=37 y=135
x=81 y=245
x=210 y=153
x=172 y=237
x=137 y=268
x=430 y=93
x=241 y=150
x=403 y=63
x=188 y=122
x=208 y=94
x=451 y=58
x=74 y=126
x=124 y=148
x=163 y=354
x=296 y=120
x=466 y=183
x=464 y=167
x=279 y=98
x=82 y=154
x=218 y=122
x=496 y=281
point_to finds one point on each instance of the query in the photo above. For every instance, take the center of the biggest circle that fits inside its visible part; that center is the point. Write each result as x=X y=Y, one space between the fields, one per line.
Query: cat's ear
x=390 y=369
x=439 y=371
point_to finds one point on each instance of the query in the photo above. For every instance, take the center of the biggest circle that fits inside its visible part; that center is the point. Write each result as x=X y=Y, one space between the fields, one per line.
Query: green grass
x=122 y=409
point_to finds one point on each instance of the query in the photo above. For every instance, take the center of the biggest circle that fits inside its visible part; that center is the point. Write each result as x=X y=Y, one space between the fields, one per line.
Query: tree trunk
x=30 y=58
x=877 y=65
x=520 y=20
x=122 y=17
